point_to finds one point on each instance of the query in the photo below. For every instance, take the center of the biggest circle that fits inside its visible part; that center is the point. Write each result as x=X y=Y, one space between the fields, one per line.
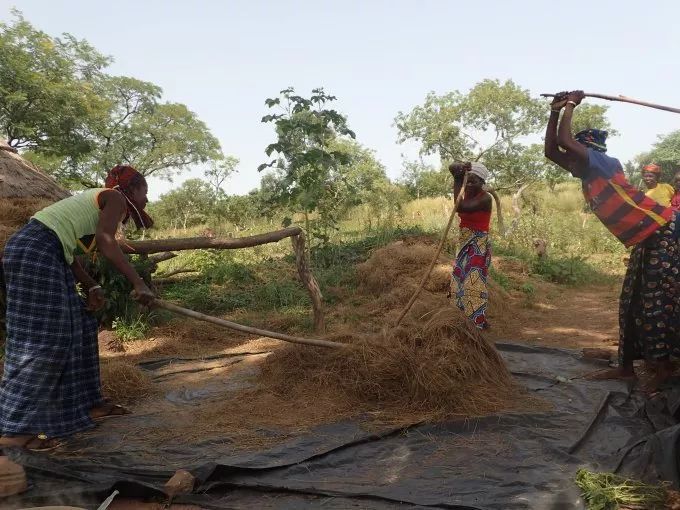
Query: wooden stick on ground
x=625 y=99
x=244 y=329
x=415 y=295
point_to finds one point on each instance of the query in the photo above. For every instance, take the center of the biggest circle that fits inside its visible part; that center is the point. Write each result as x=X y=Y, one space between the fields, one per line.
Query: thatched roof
x=21 y=179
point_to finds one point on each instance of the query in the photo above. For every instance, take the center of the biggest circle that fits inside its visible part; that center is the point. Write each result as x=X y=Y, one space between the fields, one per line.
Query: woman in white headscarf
x=471 y=267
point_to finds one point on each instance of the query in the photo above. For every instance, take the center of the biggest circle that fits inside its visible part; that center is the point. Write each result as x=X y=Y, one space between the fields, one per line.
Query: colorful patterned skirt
x=470 y=273
x=51 y=374
x=649 y=309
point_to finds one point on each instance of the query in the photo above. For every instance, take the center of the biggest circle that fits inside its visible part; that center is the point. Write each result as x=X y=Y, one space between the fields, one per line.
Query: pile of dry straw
x=436 y=363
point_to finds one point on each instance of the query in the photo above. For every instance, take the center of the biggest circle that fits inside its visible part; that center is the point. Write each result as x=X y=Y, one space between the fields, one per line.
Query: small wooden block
x=182 y=482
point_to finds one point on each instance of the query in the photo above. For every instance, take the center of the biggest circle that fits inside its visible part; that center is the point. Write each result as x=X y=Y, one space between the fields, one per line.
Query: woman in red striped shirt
x=649 y=309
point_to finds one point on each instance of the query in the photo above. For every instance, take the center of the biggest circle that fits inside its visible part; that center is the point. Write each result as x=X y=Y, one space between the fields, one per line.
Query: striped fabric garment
x=626 y=211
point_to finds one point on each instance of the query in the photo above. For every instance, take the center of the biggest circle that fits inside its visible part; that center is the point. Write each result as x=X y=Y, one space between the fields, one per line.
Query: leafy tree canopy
x=59 y=106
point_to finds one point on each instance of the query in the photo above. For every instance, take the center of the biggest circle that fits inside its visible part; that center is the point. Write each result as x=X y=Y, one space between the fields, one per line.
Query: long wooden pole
x=159 y=303
x=625 y=99
x=415 y=295
x=195 y=243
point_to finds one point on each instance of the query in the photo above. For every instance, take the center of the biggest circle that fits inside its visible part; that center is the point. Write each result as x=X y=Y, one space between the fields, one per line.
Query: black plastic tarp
x=511 y=461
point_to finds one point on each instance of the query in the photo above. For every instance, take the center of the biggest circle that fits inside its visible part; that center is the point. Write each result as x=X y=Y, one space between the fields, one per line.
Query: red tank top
x=477 y=220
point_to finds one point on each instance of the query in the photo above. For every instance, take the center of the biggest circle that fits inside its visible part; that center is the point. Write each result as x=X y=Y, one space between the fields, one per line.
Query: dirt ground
x=560 y=315
x=570 y=318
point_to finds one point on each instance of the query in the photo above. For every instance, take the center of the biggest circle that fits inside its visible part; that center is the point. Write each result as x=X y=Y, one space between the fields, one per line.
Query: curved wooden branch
x=194 y=243
x=161 y=257
x=499 y=211
x=244 y=329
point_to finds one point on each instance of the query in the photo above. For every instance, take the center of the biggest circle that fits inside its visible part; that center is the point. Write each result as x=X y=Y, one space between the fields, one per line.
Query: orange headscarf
x=655 y=169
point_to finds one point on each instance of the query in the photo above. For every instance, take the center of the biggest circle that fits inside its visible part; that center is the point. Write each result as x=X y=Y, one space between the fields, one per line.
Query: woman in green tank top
x=50 y=385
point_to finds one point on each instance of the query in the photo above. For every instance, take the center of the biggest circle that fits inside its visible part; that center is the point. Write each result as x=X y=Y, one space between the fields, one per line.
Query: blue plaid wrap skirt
x=51 y=374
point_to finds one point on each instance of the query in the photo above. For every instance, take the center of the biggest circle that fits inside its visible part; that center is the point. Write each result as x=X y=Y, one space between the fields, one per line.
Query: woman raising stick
x=51 y=386
x=649 y=308
x=471 y=267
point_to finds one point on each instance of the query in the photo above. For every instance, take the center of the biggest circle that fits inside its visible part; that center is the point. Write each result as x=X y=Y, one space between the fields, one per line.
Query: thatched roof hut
x=21 y=179
x=24 y=190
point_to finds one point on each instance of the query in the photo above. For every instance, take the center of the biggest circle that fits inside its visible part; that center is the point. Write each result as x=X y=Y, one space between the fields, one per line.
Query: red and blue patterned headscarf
x=594 y=138
x=122 y=178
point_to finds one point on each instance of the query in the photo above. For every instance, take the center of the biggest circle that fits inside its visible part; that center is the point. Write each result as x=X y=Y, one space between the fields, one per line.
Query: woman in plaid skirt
x=50 y=386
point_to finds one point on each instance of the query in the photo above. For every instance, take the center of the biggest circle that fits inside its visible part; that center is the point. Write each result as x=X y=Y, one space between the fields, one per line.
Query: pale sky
x=224 y=58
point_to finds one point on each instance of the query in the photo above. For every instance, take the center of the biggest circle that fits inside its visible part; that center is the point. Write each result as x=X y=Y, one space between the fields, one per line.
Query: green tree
x=219 y=171
x=68 y=116
x=360 y=179
x=306 y=163
x=239 y=210
x=421 y=180
x=46 y=94
x=135 y=128
x=665 y=153
x=592 y=116
x=186 y=206
x=486 y=124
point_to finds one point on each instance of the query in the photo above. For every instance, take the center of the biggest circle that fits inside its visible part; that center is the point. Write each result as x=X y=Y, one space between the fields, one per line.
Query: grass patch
x=500 y=278
x=132 y=327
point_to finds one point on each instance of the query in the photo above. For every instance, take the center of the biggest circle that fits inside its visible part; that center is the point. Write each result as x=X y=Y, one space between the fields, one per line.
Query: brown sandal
x=42 y=443
x=38 y=443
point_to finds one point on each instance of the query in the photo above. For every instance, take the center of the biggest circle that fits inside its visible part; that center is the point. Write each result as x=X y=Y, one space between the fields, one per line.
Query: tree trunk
x=307 y=278
x=516 y=208
x=308 y=247
x=195 y=243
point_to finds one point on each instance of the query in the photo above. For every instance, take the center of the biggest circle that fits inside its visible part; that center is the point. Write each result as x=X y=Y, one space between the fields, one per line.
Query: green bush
x=569 y=270
x=119 y=304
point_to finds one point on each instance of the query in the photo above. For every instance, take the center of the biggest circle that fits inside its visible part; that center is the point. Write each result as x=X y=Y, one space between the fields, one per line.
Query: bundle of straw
x=607 y=491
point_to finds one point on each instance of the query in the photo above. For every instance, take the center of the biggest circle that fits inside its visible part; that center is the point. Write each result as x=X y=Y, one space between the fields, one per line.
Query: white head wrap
x=479 y=170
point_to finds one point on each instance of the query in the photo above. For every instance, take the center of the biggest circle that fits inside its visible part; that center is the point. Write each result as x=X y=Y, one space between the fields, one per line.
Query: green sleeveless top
x=74 y=220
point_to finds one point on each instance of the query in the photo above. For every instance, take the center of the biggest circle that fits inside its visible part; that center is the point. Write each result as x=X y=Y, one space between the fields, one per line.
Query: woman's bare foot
x=108 y=410
x=662 y=372
x=39 y=443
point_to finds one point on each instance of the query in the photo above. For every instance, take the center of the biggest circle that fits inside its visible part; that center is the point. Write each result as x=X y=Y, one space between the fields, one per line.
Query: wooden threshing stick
x=415 y=295
x=625 y=99
x=159 y=303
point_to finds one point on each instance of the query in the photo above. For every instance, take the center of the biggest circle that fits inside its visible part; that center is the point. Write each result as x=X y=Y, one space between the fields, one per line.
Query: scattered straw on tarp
x=607 y=491
x=125 y=382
